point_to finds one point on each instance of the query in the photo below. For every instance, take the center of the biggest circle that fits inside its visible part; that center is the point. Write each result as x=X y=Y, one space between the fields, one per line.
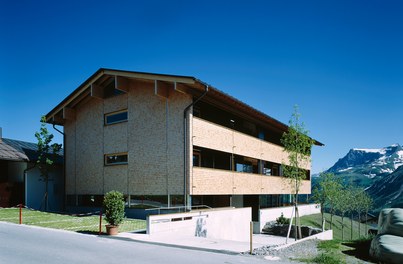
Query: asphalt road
x=27 y=244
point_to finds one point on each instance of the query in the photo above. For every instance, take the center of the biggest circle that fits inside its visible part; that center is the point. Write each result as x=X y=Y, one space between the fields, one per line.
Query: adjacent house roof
x=186 y=84
x=16 y=150
x=7 y=152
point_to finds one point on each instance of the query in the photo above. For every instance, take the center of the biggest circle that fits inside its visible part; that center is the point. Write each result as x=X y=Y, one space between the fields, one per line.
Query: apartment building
x=171 y=140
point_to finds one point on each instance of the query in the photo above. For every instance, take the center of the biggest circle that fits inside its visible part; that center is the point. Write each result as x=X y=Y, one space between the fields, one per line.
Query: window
x=196 y=158
x=115 y=159
x=116 y=117
x=275 y=170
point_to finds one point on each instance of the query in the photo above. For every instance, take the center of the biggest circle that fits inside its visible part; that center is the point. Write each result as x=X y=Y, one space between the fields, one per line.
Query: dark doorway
x=252 y=201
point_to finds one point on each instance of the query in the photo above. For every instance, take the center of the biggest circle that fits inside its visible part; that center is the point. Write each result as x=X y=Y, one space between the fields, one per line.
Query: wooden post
x=289 y=226
x=251 y=236
x=100 y=222
x=20 y=214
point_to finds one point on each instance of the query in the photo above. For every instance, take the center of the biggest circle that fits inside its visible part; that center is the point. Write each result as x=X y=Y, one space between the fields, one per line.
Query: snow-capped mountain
x=366 y=166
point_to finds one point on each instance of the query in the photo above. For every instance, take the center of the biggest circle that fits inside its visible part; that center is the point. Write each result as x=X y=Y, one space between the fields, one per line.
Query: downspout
x=185 y=143
x=64 y=166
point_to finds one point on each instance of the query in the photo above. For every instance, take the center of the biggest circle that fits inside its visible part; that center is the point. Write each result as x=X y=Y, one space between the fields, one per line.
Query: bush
x=282 y=220
x=114 y=207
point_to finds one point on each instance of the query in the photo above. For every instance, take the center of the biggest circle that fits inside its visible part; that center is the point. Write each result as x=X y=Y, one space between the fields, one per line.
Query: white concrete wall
x=223 y=223
x=326 y=235
x=270 y=214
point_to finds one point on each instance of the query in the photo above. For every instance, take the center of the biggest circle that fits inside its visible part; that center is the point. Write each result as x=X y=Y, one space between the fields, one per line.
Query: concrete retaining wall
x=223 y=223
x=270 y=214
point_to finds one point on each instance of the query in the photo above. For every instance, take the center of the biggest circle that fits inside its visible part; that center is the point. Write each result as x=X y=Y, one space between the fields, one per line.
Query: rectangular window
x=115 y=159
x=116 y=117
x=275 y=170
x=196 y=158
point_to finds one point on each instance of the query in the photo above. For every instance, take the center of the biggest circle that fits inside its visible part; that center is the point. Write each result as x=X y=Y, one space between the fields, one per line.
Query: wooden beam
x=57 y=120
x=152 y=76
x=97 y=91
x=180 y=87
x=69 y=113
x=162 y=88
x=122 y=84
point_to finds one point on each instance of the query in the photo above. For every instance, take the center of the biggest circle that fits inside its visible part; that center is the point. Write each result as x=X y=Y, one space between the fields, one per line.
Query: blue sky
x=340 y=61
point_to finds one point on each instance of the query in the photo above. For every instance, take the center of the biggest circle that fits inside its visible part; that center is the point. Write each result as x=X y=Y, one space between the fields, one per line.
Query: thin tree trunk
x=323 y=220
x=366 y=223
x=295 y=225
x=299 y=225
x=298 y=218
x=322 y=211
x=46 y=194
x=342 y=227
x=351 y=225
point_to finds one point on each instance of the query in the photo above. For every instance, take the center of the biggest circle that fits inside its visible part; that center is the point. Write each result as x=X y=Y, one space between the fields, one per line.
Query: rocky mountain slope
x=388 y=191
x=379 y=171
x=366 y=166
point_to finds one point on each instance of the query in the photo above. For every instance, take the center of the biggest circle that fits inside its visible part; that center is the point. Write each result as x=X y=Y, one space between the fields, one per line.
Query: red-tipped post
x=20 y=214
x=100 y=222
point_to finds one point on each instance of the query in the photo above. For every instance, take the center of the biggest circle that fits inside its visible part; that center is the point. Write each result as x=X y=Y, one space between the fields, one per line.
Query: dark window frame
x=116 y=114
x=122 y=154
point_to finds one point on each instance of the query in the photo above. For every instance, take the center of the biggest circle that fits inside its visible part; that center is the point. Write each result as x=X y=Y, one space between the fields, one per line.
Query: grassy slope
x=72 y=223
x=337 y=251
x=316 y=221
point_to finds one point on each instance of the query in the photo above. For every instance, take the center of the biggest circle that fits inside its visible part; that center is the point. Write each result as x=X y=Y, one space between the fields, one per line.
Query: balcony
x=206 y=181
x=210 y=135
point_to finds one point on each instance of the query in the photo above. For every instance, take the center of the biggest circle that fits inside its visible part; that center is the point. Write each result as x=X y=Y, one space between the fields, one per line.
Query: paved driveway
x=27 y=244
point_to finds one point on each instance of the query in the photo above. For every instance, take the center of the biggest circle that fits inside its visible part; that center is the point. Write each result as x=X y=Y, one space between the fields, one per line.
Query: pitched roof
x=193 y=86
x=17 y=150
x=7 y=152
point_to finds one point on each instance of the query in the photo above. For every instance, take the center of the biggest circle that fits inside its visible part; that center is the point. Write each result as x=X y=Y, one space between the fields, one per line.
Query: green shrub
x=282 y=220
x=114 y=207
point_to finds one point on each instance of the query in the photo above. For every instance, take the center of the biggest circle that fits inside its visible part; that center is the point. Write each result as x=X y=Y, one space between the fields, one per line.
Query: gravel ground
x=301 y=250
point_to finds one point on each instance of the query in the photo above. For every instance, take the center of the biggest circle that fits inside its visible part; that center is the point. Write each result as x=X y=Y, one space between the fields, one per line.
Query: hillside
x=388 y=191
x=316 y=221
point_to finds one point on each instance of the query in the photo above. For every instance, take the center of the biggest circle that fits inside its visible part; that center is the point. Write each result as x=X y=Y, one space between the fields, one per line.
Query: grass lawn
x=338 y=251
x=316 y=221
x=84 y=224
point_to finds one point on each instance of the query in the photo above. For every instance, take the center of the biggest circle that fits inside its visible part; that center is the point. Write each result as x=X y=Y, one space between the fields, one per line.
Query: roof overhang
x=90 y=88
x=95 y=86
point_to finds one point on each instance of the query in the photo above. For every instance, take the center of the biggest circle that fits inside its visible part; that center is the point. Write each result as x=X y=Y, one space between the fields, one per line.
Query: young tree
x=298 y=146
x=319 y=196
x=326 y=192
x=352 y=204
x=364 y=204
x=367 y=204
x=47 y=154
x=359 y=207
x=342 y=204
